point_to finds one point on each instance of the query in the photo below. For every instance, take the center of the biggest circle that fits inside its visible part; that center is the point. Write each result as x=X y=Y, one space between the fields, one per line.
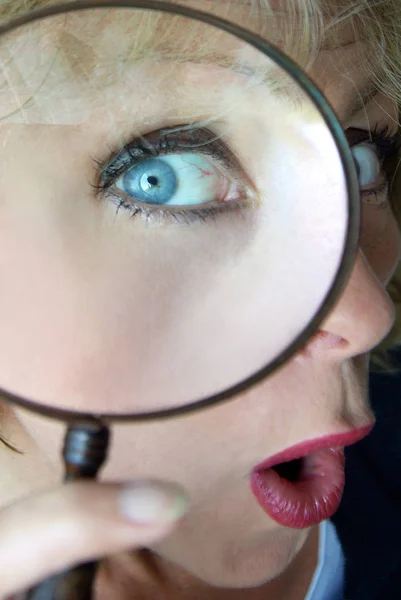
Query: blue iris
x=152 y=181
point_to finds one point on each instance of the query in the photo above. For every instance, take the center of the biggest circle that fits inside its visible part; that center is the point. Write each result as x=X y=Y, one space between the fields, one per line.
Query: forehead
x=282 y=22
x=77 y=46
x=259 y=16
x=85 y=52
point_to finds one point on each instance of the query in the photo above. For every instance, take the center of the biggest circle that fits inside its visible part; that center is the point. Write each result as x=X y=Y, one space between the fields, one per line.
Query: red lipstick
x=303 y=485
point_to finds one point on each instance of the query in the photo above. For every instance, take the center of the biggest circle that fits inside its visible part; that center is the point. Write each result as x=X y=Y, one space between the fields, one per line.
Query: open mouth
x=303 y=485
x=301 y=492
x=291 y=471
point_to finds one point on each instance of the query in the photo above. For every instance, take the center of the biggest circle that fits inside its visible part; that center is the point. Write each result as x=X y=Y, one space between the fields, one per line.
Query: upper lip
x=337 y=440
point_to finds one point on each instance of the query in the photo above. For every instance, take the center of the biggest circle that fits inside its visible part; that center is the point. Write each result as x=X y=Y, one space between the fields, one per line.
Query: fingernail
x=152 y=502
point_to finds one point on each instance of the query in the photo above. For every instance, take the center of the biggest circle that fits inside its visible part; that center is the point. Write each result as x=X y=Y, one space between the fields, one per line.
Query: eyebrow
x=282 y=84
x=273 y=76
x=362 y=99
x=276 y=79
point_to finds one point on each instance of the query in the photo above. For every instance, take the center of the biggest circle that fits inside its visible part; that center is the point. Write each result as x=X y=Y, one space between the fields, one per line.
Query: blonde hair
x=306 y=26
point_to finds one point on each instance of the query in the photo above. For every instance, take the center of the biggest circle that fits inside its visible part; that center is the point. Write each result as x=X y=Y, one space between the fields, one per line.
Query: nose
x=364 y=314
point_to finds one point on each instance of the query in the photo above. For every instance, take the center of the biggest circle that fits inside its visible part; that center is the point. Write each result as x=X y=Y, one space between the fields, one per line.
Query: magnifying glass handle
x=85 y=450
x=74 y=584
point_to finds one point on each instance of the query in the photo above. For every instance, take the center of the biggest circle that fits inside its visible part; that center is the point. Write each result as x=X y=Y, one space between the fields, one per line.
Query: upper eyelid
x=120 y=159
x=124 y=157
x=141 y=147
x=373 y=135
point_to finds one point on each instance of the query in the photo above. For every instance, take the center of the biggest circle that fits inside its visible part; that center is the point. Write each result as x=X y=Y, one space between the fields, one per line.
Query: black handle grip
x=74 y=584
x=84 y=452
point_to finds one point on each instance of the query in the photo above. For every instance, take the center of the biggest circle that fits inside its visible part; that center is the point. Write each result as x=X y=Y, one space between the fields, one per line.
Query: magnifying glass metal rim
x=352 y=238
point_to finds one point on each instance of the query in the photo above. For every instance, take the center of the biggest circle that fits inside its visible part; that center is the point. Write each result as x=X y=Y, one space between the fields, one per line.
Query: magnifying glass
x=179 y=214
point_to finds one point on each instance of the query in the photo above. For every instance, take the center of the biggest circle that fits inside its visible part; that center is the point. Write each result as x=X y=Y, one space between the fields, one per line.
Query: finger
x=81 y=521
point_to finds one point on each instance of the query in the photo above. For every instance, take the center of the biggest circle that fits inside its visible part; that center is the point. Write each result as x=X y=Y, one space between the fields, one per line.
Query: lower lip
x=314 y=497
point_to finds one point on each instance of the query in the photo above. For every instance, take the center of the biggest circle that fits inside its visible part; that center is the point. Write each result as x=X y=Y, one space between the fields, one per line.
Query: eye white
x=177 y=180
x=367 y=163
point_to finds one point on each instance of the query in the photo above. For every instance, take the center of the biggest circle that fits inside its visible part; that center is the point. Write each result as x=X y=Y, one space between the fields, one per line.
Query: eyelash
x=388 y=146
x=161 y=143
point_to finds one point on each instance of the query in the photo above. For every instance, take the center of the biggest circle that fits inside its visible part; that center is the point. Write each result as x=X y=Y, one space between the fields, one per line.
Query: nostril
x=323 y=340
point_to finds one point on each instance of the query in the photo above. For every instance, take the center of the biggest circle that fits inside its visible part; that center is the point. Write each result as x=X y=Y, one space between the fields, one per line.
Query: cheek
x=380 y=241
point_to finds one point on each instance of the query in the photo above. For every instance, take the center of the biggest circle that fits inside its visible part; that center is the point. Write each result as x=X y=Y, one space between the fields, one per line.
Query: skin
x=211 y=453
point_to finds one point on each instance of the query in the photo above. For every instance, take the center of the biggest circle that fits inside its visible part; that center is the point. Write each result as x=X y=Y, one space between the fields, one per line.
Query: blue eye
x=153 y=181
x=374 y=152
x=175 y=174
x=183 y=179
x=368 y=165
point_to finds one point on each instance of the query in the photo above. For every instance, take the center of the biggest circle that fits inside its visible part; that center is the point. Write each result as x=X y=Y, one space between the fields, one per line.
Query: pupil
x=152 y=180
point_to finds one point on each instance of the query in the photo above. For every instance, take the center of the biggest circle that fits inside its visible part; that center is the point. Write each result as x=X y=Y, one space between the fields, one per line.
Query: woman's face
x=85 y=265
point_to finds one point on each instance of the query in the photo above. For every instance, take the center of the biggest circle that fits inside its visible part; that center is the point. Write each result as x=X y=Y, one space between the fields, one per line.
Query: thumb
x=79 y=522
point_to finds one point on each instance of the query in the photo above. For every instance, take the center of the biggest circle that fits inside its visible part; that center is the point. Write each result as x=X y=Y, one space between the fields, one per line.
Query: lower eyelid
x=376 y=197
x=179 y=215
